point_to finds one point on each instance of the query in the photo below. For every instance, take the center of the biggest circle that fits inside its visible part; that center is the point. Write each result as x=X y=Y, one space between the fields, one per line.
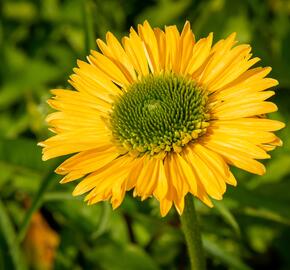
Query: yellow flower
x=163 y=115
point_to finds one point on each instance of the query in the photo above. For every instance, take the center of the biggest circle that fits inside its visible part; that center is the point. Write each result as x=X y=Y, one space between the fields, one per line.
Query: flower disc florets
x=160 y=113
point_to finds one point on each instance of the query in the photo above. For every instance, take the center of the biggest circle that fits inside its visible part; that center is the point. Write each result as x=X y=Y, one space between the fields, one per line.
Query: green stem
x=89 y=35
x=7 y=229
x=35 y=205
x=192 y=234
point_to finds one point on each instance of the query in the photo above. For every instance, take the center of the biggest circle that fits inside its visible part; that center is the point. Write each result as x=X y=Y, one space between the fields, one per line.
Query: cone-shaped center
x=160 y=113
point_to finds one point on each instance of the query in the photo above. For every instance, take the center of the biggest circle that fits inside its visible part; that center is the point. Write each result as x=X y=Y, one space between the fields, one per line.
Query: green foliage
x=39 y=44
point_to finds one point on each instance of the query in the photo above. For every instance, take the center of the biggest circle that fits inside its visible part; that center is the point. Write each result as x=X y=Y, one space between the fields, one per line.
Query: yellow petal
x=153 y=177
x=179 y=205
x=161 y=40
x=232 y=73
x=115 y=52
x=231 y=180
x=60 y=144
x=187 y=174
x=254 y=136
x=134 y=173
x=237 y=159
x=150 y=46
x=223 y=65
x=108 y=68
x=144 y=177
x=165 y=206
x=243 y=146
x=251 y=81
x=173 y=175
x=187 y=41
x=246 y=110
x=200 y=53
x=172 y=59
x=255 y=124
x=205 y=176
x=101 y=85
x=162 y=185
x=105 y=177
x=118 y=194
x=216 y=62
x=87 y=162
x=215 y=163
x=247 y=99
x=135 y=51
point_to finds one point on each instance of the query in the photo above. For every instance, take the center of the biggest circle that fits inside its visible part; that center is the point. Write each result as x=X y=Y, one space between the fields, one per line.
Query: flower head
x=163 y=115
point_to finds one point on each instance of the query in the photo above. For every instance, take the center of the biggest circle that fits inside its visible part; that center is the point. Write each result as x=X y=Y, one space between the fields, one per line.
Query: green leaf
x=58 y=196
x=21 y=159
x=273 y=206
x=277 y=169
x=240 y=24
x=8 y=232
x=227 y=216
x=129 y=257
x=22 y=11
x=22 y=153
x=164 y=12
x=103 y=221
x=218 y=252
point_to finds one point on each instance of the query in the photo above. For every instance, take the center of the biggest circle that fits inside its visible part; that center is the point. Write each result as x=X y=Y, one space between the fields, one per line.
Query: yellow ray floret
x=163 y=115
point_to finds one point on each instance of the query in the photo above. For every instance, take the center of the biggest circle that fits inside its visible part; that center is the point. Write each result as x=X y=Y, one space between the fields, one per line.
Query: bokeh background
x=43 y=227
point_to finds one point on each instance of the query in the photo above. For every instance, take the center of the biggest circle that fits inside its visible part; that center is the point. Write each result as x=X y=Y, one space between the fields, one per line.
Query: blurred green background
x=40 y=41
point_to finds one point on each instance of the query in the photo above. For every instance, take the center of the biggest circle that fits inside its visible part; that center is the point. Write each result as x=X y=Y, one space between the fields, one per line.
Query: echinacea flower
x=163 y=115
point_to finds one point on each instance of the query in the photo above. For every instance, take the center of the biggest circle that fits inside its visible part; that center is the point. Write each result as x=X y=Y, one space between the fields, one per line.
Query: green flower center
x=160 y=113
